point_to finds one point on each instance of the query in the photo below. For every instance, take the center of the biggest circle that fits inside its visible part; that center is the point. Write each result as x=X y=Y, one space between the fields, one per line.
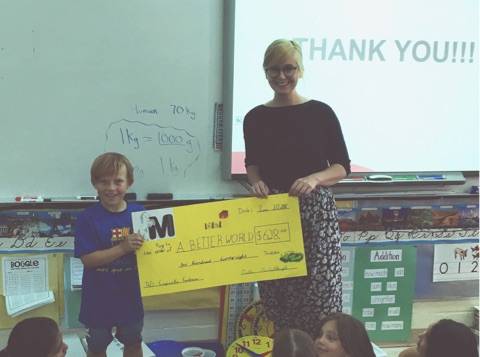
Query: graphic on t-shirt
x=124 y=263
x=119 y=234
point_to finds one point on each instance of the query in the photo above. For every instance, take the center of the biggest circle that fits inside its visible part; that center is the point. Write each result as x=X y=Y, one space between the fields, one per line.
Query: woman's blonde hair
x=279 y=49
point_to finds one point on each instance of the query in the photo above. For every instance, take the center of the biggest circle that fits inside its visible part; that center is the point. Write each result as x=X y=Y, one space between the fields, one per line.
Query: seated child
x=293 y=343
x=35 y=336
x=105 y=243
x=342 y=335
x=445 y=338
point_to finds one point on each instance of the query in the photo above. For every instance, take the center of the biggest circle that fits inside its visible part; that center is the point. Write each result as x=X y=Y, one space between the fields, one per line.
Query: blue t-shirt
x=110 y=293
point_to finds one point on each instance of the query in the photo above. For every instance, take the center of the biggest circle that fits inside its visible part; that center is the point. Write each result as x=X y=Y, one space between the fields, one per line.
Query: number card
x=453 y=262
x=219 y=243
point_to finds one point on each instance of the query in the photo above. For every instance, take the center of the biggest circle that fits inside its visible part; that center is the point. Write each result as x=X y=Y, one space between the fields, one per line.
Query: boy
x=105 y=244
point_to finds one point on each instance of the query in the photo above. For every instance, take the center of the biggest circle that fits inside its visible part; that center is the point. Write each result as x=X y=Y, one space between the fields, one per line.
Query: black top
x=287 y=143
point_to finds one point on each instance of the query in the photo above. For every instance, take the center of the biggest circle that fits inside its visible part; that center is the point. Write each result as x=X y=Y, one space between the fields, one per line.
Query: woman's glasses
x=288 y=70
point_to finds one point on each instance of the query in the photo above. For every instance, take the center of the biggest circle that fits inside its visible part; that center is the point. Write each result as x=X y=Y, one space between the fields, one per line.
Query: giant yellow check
x=219 y=243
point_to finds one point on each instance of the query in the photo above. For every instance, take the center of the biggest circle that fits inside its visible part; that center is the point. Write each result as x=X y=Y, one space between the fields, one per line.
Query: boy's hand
x=132 y=242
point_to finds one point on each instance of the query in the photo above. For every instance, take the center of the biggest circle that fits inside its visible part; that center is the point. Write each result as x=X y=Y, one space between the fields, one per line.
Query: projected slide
x=402 y=76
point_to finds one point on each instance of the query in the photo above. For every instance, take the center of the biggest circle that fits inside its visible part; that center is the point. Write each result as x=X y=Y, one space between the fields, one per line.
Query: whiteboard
x=78 y=78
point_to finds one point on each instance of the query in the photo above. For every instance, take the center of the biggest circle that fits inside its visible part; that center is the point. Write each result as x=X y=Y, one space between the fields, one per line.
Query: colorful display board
x=384 y=290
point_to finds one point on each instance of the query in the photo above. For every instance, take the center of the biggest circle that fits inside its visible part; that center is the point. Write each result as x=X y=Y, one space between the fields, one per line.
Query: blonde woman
x=294 y=144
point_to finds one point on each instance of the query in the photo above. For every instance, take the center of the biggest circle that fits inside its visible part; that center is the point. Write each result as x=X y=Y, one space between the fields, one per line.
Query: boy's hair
x=293 y=343
x=109 y=164
x=35 y=336
x=450 y=338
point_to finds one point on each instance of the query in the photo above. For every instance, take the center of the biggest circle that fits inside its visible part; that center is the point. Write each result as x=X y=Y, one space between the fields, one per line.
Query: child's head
x=112 y=175
x=293 y=343
x=36 y=336
x=342 y=335
x=447 y=338
x=281 y=50
x=110 y=164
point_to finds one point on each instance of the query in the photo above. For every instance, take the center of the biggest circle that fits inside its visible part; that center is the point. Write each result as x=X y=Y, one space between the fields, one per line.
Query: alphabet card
x=219 y=243
x=457 y=261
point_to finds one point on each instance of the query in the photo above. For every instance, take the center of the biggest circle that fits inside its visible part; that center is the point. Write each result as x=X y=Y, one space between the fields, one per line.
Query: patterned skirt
x=301 y=302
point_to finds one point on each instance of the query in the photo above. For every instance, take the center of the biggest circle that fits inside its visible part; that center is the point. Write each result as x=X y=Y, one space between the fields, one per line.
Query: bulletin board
x=53 y=310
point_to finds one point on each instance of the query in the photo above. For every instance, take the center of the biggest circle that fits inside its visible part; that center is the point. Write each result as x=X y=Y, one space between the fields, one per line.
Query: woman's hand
x=303 y=186
x=260 y=189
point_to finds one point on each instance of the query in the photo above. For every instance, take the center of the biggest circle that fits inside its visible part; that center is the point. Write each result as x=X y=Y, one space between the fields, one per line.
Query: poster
x=25 y=274
x=37 y=230
x=348 y=264
x=219 y=243
x=454 y=262
x=384 y=289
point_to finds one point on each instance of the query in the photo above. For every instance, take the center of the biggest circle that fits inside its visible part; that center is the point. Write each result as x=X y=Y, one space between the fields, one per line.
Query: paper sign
x=454 y=262
x=348 y=261
x=25 y=274
x=384 y=289
x=219 y=243
x=76 y=274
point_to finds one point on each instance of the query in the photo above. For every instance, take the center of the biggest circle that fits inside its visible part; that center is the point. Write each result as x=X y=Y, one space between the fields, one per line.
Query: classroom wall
x=53 y=124
x=196 y=315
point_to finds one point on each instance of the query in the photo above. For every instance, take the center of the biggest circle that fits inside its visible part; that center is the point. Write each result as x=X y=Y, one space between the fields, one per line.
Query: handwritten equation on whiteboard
x=162 y=150
x=177 y=110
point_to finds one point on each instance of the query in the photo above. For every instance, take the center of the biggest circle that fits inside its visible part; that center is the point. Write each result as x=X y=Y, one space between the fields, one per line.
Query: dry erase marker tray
x=404 y=178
